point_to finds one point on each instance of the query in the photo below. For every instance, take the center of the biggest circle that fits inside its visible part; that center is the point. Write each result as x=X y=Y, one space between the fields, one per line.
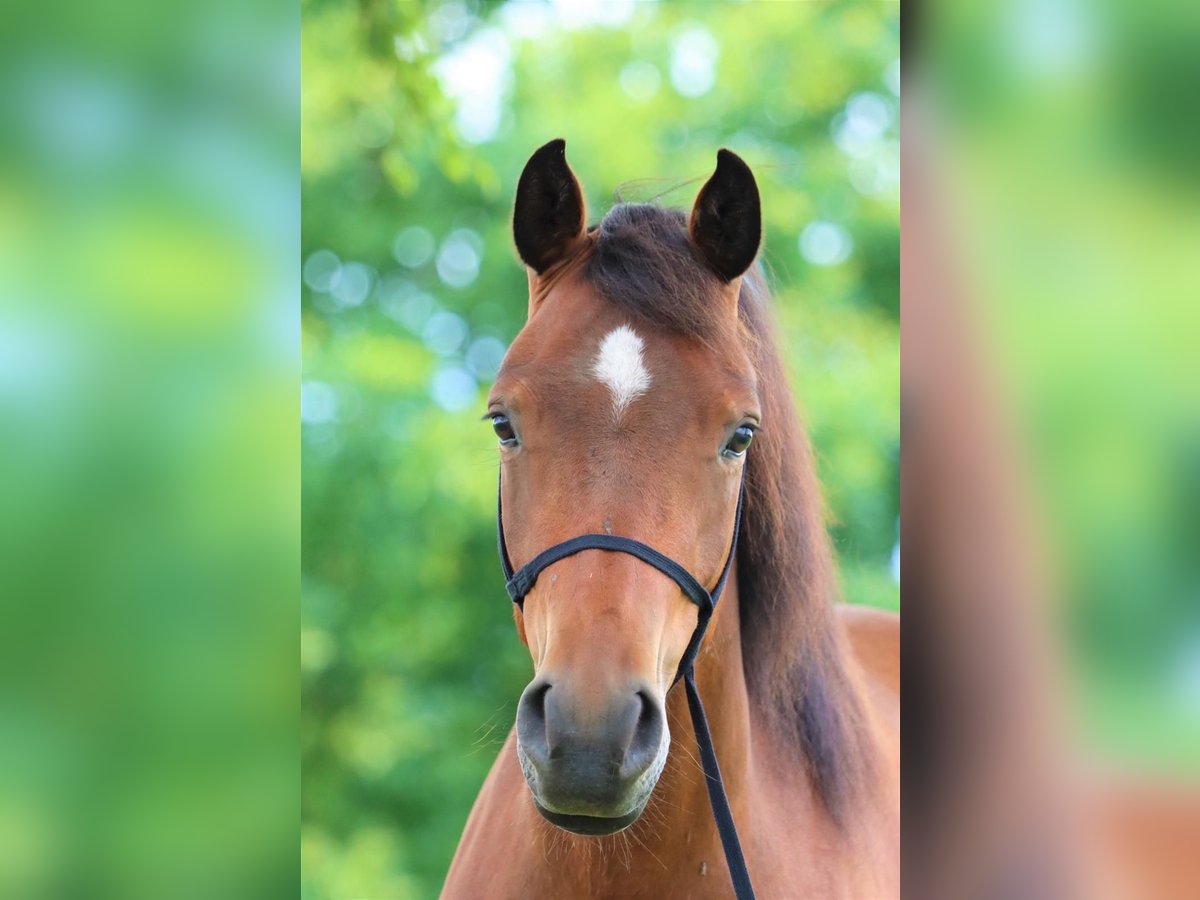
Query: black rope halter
x=520 y=583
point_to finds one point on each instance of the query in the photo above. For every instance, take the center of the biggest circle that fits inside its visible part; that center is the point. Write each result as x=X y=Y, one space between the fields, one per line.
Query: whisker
x=648 y=850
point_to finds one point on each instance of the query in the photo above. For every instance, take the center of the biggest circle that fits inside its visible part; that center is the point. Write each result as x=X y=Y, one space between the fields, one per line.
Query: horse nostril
x=647 y=734
x=531 y=721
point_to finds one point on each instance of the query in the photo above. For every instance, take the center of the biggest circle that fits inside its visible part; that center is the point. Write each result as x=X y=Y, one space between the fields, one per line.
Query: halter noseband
x=521 y=582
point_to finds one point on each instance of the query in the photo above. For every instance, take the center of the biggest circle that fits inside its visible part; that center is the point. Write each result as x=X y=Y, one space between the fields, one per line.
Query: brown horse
x=643 y=383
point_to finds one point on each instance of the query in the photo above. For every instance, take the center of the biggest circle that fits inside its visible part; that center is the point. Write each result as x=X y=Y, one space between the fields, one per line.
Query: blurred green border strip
x=149 y=540
x=1065 y=143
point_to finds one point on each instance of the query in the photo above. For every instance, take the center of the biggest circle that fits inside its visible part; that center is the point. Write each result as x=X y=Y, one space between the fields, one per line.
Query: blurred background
x=149 y=464
x=150 y=344
x=1058 y=168
x=417 y=120
x=1051 y=449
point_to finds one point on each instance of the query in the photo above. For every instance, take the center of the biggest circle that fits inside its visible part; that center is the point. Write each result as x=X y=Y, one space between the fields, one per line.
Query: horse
x=644 y=397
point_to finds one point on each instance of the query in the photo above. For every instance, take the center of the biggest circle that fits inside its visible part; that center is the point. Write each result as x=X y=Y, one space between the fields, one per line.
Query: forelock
x=642 y=260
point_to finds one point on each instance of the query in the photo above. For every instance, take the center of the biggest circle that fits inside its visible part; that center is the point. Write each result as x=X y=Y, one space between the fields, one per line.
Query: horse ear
x=549 y=215
x=726 y=221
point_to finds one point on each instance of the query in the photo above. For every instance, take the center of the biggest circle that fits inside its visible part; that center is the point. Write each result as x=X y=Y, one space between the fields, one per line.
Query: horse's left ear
x=726 y=221
x=548 y=215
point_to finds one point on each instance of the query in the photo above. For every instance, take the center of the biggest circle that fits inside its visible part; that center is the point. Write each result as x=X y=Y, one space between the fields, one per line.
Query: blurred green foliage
x=148 y=466
x=417 y=119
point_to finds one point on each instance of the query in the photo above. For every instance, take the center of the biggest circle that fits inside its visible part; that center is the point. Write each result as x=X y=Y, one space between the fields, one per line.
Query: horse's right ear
x=549 y=216
x=726 y=221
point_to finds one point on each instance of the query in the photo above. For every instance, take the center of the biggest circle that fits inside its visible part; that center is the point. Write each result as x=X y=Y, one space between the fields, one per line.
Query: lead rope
x=521 y=582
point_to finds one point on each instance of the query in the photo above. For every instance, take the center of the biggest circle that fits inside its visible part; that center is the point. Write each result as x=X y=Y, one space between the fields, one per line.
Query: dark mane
x=642 y=259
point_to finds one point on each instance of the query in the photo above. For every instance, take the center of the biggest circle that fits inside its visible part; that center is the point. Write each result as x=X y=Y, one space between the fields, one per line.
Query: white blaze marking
x=619 y=365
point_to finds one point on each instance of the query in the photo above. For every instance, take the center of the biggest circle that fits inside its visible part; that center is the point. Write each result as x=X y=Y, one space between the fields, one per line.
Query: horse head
x=611 y=422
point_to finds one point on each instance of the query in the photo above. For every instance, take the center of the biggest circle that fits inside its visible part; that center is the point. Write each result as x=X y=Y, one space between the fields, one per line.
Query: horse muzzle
x=591 y=767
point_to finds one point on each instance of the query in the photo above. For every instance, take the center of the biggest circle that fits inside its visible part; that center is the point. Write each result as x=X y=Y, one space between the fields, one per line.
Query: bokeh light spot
x=322 y=270
x=318 y=403
x=825 y=244
x=476 y=74
x=413 y=246
x=453 y=388
x=459 y=258
x=858 y=130
x=450 y=21
x=444 y=333
x=354 y=285
x=694 y=61
x=640 y=80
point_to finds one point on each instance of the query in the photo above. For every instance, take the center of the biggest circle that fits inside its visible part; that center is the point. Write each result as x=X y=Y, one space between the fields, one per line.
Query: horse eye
x=740 y=441
x=504 y=431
